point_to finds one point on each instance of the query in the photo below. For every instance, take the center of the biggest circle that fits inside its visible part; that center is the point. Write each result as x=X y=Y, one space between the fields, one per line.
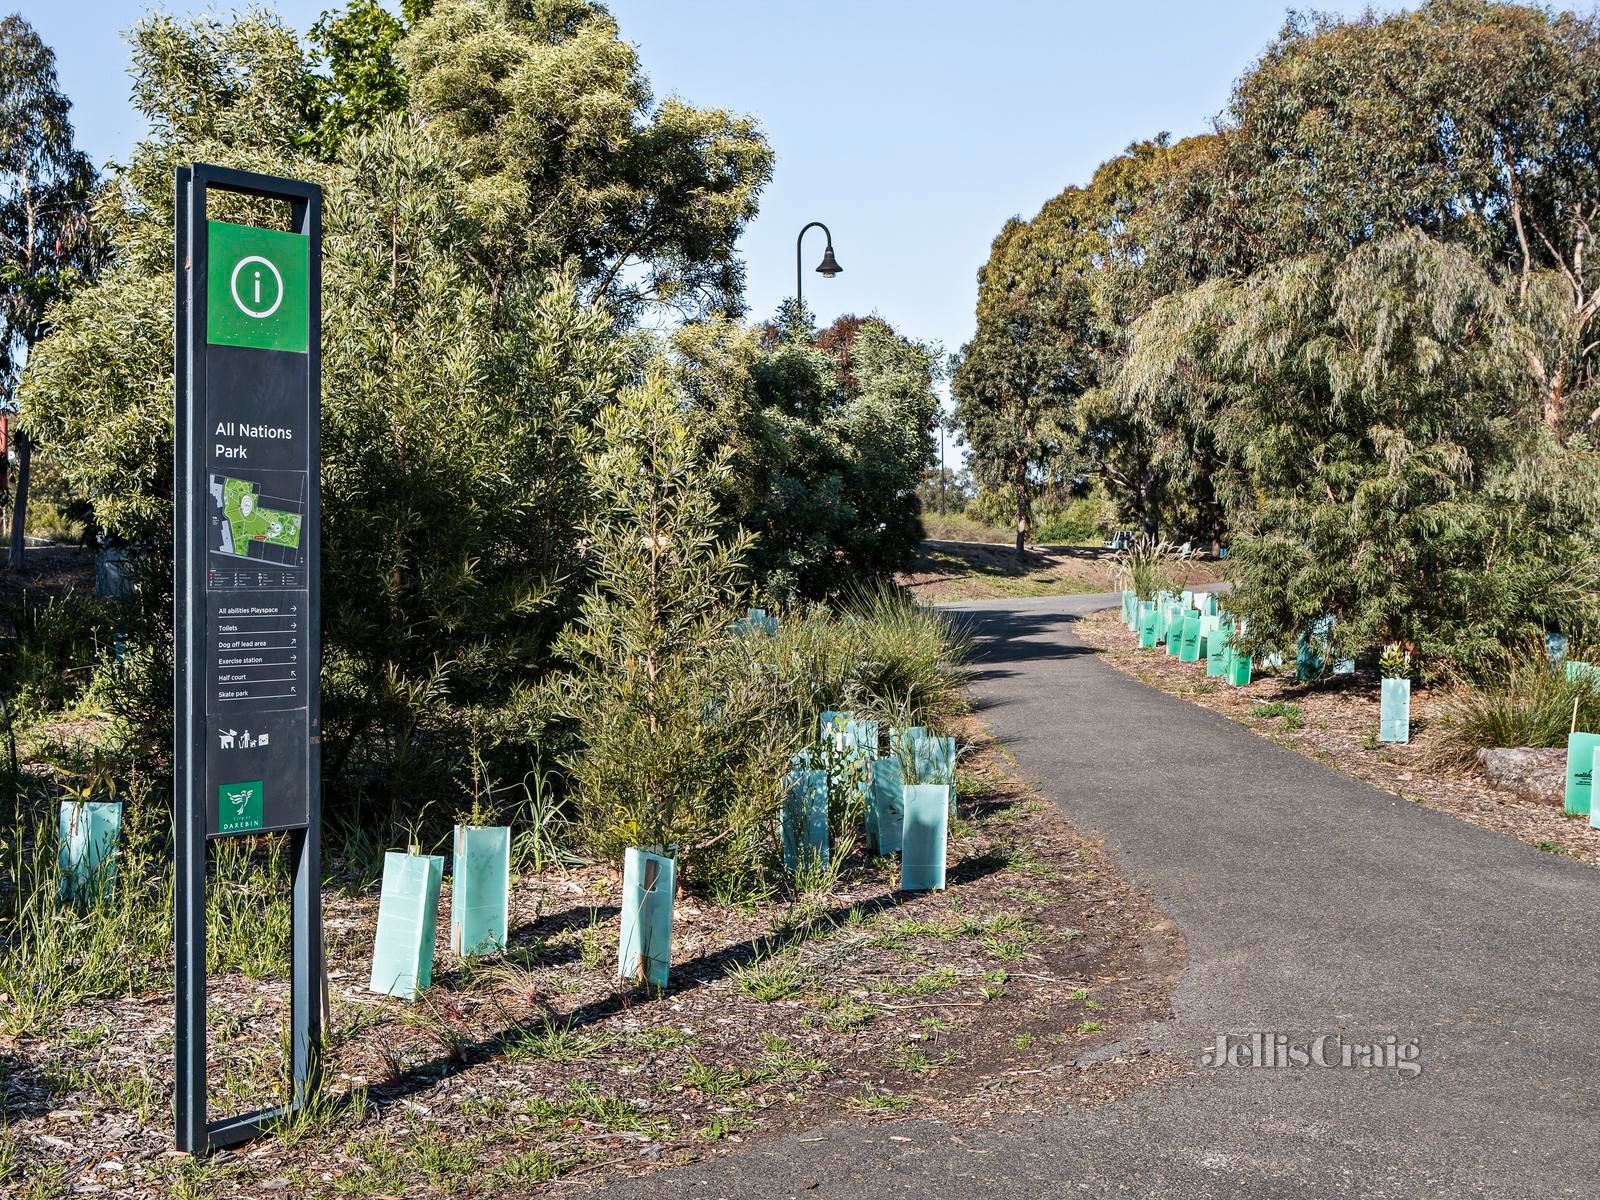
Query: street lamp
x=827 y=268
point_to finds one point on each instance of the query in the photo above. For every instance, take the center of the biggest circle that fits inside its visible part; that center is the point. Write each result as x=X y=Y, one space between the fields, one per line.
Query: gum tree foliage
x=1386 y=460
x=566 y=156
x=46 y=241
x=460 y=388
x=1019 y=379
x=680 y=742
x=830 y=434
x=1476 y=123
x=1444 y=159
x=357 y=79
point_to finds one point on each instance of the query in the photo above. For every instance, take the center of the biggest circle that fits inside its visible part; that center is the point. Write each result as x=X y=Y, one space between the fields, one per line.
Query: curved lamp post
x=827 y=268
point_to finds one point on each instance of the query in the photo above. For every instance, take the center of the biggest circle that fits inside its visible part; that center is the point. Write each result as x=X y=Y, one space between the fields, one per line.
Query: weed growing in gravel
x=781 y=1056
x=916 y=1060
x=720 y=1081
x=722 y=1127
x=941 y=979
x=531 y=1166
x=994 y=983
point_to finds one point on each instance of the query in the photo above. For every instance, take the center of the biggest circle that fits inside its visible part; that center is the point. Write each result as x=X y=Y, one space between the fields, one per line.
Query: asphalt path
x=1314 y=906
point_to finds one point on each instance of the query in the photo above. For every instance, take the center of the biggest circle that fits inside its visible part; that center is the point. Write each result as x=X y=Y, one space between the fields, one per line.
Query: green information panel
x=257 y=287
x=240 y=806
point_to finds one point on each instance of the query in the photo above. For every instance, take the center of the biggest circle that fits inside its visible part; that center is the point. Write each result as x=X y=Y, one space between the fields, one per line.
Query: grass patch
x=1290 y=712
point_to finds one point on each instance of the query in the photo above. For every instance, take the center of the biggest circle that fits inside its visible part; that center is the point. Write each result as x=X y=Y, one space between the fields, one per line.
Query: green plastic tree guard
x=1129 y=601
x=934 y=761
x=1190 y=649
x=886 y=813
x=1580 y=772
x=480 y=885
x=902 y=742
x=922 y=845
x=846 y=730
x=1175 y=634
x=87 y=851
x=756 y=620
x=408 y=913
x=1394 y=711
x=1594 y=809
x=1239 y=671
x=803 y=819
x=1217 y=651
x=1148 y=620
x=644 y=949
x=1579 y=672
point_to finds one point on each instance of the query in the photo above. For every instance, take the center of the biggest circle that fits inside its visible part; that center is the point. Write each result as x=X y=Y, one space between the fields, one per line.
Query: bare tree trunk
x=19 y=511
x=1022 y=505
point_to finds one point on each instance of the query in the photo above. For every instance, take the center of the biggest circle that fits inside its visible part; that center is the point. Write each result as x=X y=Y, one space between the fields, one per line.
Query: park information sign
x=247 y=725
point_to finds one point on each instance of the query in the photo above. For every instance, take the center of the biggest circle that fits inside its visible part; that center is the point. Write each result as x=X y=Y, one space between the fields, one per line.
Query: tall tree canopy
x=829 y=433
x=1337 y=331
x=566 y=156
x=46 y=242
x=1033 y=354
x=462 y=377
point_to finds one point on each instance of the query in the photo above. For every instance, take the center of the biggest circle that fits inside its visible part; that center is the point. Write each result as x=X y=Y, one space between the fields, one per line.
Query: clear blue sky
x=913 y=129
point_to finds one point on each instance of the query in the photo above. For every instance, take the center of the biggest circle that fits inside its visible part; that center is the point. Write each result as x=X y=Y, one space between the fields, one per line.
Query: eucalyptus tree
x=568 y=157
x=46 y=240
x=1032 y=356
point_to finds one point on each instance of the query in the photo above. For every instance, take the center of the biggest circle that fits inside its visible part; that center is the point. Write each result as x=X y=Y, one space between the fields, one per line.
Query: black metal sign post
x=246 y=720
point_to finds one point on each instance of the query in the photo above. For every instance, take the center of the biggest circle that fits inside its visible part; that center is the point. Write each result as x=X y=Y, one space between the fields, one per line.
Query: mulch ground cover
x=1336 y=722
x=513 y=1074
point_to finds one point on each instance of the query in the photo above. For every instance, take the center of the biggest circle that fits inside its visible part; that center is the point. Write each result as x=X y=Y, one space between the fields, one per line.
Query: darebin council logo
x=257 y=287
x=240 y=806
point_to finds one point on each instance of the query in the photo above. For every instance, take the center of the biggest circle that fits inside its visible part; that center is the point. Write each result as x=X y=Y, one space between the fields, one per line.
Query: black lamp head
x=829 y=267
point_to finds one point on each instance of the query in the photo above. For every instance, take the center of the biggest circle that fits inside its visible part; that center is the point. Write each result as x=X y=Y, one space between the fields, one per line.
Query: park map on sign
x=247 y=521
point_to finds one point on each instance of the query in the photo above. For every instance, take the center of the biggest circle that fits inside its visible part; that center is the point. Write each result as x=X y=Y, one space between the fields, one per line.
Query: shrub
x=1149 y=567
x=678 y=742
x=884 y=656
x=1521 y=699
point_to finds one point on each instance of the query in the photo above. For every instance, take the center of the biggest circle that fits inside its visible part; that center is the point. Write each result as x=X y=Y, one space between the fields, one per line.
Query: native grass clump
x=1518 y=697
